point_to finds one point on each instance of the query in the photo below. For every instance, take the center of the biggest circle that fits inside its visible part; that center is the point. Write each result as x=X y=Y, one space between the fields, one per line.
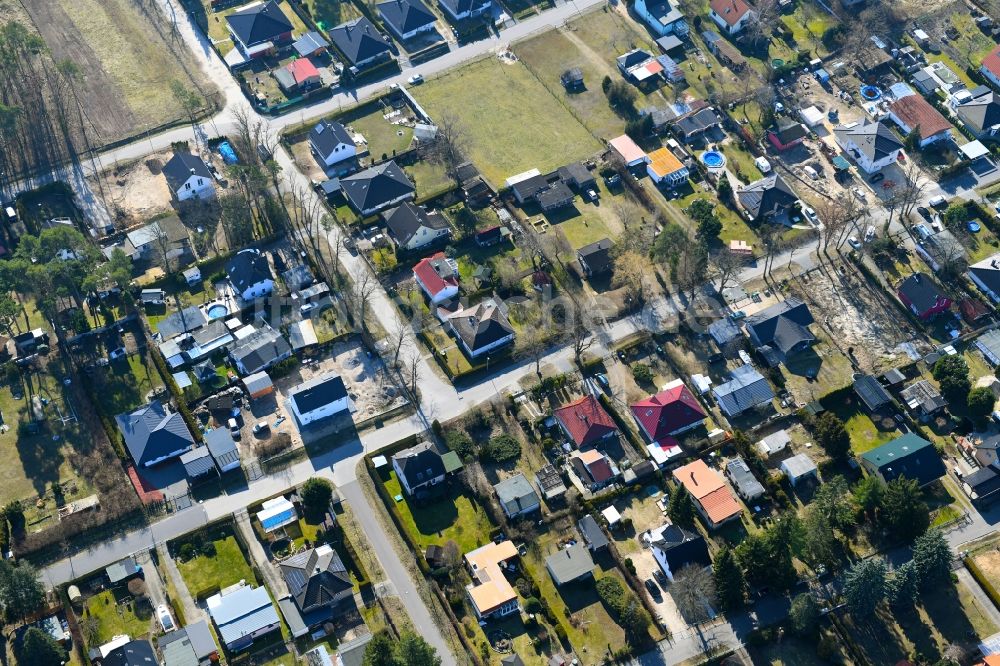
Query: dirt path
x=192 y=612
x=595 y=59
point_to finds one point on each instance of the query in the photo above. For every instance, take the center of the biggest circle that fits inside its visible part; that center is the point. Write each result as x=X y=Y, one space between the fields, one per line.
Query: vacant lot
x=204 y=574
x=126 y=65
x=507 y=136
x=331 y=13
x=988 y=562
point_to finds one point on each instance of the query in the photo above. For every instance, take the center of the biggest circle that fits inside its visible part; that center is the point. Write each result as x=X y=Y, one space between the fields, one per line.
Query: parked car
x=164 y=618
x=938 y=202
x=924 y=213
x=234 y=429
x=858 y=193
x=590 y=194
x=260 y=427
x=869 y=234
x=660 y=577
x=877 y=178
x=654 y=590
x=810 y=212
x=415 y=80
x=854 y=242
x=922 y=231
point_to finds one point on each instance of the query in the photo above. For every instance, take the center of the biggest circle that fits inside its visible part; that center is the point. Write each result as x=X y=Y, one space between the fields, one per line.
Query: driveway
x=273 y=578
x=154 y=584
x=192 y=611
x=666 y=609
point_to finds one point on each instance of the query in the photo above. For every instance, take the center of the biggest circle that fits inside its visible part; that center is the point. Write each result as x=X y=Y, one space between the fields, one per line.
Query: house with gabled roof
x=870 y=142
x=746 y=484
x=732 y=16
x=672 y=411
x=767 y=199
x=908 y=456
x=585 y=422
x=516 y=496
x=250 y=274
x=406 y=18
x=981 y=115
x=746 y=389
x=418 y=468
x=482 y=328
x=913 y=112
x=871 y=392
x=331 y=143
x=242 y=614
x=361 y=43
x=321 y=398
x=990 y=68
x=712 y=497
x=674 y=548
x=260 y=349
x=377 y=187
x=318 y=582
x=663 y=17
x=152 y=435
x=490 y=592
x=665 y=169
x=298 y=76
x=459 y=10
x=594 y=469
x=413 y=227
x=787 y=134
x=595 y=258
x=922 y=296
x=259 y=28
x=438 y=277
x=188 y=177
x=986 y=275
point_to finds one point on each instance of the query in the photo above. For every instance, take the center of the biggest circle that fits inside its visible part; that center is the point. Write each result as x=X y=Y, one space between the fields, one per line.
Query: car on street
x=924 y=213
x=415 y=80
x=854 y=242
x=877 y=178
x=164 y=618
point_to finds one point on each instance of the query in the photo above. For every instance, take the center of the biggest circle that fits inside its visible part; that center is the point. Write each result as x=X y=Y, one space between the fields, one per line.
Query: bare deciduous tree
x=724 y=266
x=693 y=590
x=359 y=295
x=450 y=145
x=630 y=272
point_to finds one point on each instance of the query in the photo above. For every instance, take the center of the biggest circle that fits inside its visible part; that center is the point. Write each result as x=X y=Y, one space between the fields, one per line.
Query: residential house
x=413 y=227
x=360 y=42
x=490 y=592
x=922 y=296
x=577 y=176
x=482 y=328
x=188 y=177
x=133 y=653
x=259 y=28
x=259 y=349
x=177 y=324
x=526 y=186
x=732 y=16
x=692 y=126
x=670 y=412
x=909 y=456
x=768 y=199
x=418 y=468
x=712 y=497
x=492 y=236
x=595 y=259
x=242 y=614
x=192 y=645
x=923 y=399
x=297 y=77
x=331 y=143
x=319 y=399
x=871 y=392
x=639 y=66
x=555 y=196
x=152 y=435
x=222 y=448
x=746 y=389
x=592 y=533
x=627 y=150
x=781 y=330
x=406 y=18
x=871 y=143
x=786 y=134
x=570 y=564
x=196 y=345
x=318 y=583
x=665 y=169
x=350 y=653
x=746 y=484
x=723 y=49
x=438 y=277
x=459 y=10
x=549 y=482
x=774 y=443
x=914 y=112
x=674 y=548
x=585 y=422
x=593 y=468
x=981 y=115
x=250 y=274
x=798 y=468
x=310 y=44
x=991 y=66
x=983 y=486
x=988 y=345
x=164 y=241
x=377 y=188
x=516 y=496
x=662 y=16
x=986 y=275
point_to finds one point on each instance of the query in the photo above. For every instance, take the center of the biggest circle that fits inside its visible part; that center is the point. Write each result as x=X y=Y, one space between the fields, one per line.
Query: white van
x=937 y=202
x=811 y=172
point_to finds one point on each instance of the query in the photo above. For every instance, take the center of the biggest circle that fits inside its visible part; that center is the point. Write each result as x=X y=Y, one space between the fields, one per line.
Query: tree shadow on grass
x=875 y=638
x=945 y=611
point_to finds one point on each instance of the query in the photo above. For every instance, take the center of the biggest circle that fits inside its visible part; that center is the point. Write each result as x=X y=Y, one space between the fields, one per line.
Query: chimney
x=694 y=480
x=192 y=171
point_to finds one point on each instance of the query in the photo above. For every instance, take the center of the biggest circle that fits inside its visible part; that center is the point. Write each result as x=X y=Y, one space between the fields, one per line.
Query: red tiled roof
x=598 y=465
x=916 y=111
x=731 y=11
x=992 y=61
x=709 y=489
x=147 y=492
x=585 y=420
x=302 y=69
x=425 y=273
x=668 y=411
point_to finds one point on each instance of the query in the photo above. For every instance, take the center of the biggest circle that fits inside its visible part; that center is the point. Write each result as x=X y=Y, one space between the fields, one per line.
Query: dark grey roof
x=724 y=331
x=405 y=220
x=788 y=131
x=404 y=16
x=182 y=166
x=874 y=139
x=529 y=187
x=781 y=326
x=259 y=23
x=746 y=483
x=326 y=135
x=419 y=463
x=697 y=122
x=921 y=291
x=982 y=112
x=318 y=392
x=669 y=43
x=376 y=186
x=121 y=570
x=352 y=653
x=576 y=173
x=309 y=43
x=184 y=321
x=197 y=636
x=133 y=653
x=247 y=268
x=556 y=195
x=516 y=494
x=221 y=445
x=985 y=481
x=770 y=195
x=592 y=532
x=260 y=349
x=893 y=376
x=633 y=58
x=151 y=433
x=987 y=271
x=597 y=255
x=871 y=392
x=569 y=564
x=458 y=7
x=923 y=395
x=197 y=462
x=359 y=40
x=681 y=547
x=482 y=325
x=315 y=577
x=746 y=389
x=204 y=371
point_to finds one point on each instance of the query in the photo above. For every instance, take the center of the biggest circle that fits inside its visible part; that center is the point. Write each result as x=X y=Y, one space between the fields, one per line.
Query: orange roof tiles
x=663 y=162
x=709 y=490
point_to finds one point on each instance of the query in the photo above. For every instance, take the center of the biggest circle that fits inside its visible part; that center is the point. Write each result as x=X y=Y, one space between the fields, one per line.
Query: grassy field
x=812 y=374
x=865 y=435
x=733 y=226
x=505 y=135
x=455 y=516
x=227 y=567
x=116 y=619
x=382 y=136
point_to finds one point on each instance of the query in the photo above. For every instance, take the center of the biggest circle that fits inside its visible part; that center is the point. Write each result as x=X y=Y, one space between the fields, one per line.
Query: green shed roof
x=896 y=449
x=452 y=462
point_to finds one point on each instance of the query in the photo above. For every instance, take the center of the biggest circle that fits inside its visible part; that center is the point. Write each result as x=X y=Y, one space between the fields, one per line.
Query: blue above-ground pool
x=228 y=154
x=713 y=159
x=870 y=93
x=973 y=226
x=217 y=311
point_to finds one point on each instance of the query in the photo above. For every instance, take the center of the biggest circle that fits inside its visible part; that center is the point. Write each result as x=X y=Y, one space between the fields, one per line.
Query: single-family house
x=991 y=66
x=319 y=399
x=712 y=497
x=923 y=399
x=137 y=652
x=692 y=126
x=556 y=195
x=418 y=468
x=768 y=199
x=585 y=422
x=570 y=564
x=250 y=274
x=746 y=484
x=592 y=533
x=406 y=18
x=986 y=275
x=259 y=349
x=922 y=296
x=913 y=112
x=594 y=469
x=482 y=328
x=665 y=169
x=981 y=115
x=438 y=277
x=674 y=548
x=377 y=187
x=164 y=241
x=490 y=592
x=781 y=330
x=671 y=411
x=331 y=143
x=188 y=177
x=871 y=392
x=516 y=496
x=787 y=134
x=627 y=150
x=297 y=77
x=988 y=345
x=259 y=28
x=577 y=176
x=459 y=10
x=242 y=614
x=492 y=236
x=595 y=258
x=310 y=44
x=222 y=448
x=871 y=143
x=639 y=66
x=413 y=227
x=910 y=456
x=746 y=389
x=732 y=16
x=662 y=16
x=360 y=43
x=152 y=435
x=982 y=486
x=549 y=482
x=798 y=468
x=318 y=582
x=192 y=645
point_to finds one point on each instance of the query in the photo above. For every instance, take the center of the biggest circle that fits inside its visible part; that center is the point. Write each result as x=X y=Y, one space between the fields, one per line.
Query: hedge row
x=983 y=581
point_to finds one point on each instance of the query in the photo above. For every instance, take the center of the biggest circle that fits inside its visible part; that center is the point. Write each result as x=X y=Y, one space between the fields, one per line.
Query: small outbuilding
x=798 y=468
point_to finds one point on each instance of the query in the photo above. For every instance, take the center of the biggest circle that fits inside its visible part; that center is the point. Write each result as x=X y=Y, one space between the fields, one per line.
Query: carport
x=979 y=158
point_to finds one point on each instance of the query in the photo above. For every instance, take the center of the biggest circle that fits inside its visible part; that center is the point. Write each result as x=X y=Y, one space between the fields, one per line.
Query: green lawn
x=382 y=136
x=455 y=517
x=430 y=178
x=123 y=385
x=864 y=434
x=740 y=162
x=116 y=619
x=506 y=135
x=733 y=226
x=331 y=13
x=811 y=374
x=202 y=574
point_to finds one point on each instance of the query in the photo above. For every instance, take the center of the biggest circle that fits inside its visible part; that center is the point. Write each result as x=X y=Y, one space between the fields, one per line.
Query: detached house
x=596 y=259
x=919 y=293
x=909 y=456
x=663 y=17
x=746 y=389
x=986 y=275
x=242 y=614
x=732 y=16
x=981 y=115
x=319 y=399
x=711 y=495
x=406 y=18
x=258 y=29
x=674 y=548
x=152 y=435
x=360 y=43
x=331 y=143
x=490 y=592
x=912 y=112
x=768 y=199
x=787 y=134
x=459 y=10
x=413 y=227
x=991 y=66
x=672 y=411
x=585 y=422
x=516 y=496
x=871 y=143
x=482 y=328
x=665 y=169
x=259 y=349
x=250 y=274
x=188 y=177
x=593 y=468
x=923 y=399
x=377 y=188
x=418 y=468
x=781 y=330
x=297 y=76
x=438 y=277
x=318 y=582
